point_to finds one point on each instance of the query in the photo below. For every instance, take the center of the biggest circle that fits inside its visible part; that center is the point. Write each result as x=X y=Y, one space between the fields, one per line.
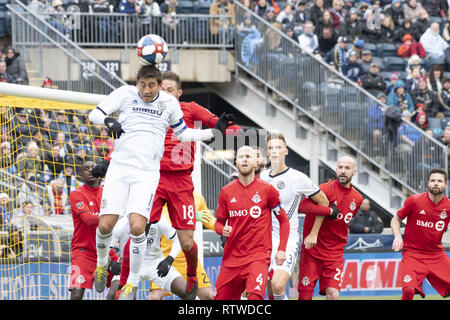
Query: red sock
x=125 y=270
x=408 y=293
x=191 y=260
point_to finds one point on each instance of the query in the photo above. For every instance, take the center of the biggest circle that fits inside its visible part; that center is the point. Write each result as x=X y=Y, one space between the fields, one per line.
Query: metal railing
x=125 y=30
x=31 y=31
x=339 y=105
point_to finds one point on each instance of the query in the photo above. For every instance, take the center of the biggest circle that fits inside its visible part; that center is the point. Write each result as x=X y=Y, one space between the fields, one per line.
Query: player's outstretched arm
x=282 y=218
x=170 y=233
x=397 y=244
x=206 y=218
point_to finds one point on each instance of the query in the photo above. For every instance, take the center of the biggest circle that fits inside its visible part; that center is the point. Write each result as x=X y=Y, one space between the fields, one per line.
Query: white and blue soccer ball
x=151 y=49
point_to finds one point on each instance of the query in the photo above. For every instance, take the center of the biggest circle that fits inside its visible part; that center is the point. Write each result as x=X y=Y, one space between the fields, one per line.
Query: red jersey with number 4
x=248 y=210
x=333 y=234
x=426 y=223
x=85 y=205
x=180 y=155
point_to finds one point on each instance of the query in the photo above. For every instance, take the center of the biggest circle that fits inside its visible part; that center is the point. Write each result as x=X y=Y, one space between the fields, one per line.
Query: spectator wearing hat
x=316 y=11
x=4 y=75
x=367 y=59
x=351 y=68
x=308 y=40
x=338 y=54
x=358 y=46
x=422 y=95
x=421 y=119
x=399 y=97
x=15 y=65
x=22 y=131
x=246 y=26
x=270 y=15
x=395 y=10
x=301 y=15
x=387 y=30
x=434 y=45
x=47 y=83
x=411 y=10
x=410 y=47
x=58 y=19
x=288 y=29
x=353 y=26
x=372 y=81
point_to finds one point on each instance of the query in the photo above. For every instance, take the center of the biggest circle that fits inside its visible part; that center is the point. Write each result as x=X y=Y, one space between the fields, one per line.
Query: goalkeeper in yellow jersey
x=204 y=285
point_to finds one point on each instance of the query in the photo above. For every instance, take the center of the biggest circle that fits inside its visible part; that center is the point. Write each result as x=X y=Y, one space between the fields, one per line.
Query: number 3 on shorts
x=188 y=212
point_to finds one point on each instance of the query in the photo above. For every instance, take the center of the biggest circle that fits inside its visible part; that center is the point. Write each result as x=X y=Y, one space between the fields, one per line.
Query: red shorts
x=82 y=270
x=415 y=268
x=329 y=273
x=232 y=281
x=176 y=189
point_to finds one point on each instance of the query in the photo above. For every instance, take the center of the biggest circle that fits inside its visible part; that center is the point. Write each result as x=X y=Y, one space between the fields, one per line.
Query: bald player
x=325 y=260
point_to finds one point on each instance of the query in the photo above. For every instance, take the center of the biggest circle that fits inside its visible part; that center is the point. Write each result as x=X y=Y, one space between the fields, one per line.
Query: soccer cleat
x=191 y=288
x=128 y=292
x=101 y=277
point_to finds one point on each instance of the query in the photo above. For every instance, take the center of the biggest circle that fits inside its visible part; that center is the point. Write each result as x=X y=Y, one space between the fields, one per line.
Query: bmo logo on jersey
x=346 y=218
x=428 y=224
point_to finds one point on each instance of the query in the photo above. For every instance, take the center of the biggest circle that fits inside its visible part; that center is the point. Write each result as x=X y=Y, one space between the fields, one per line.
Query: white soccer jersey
x=162 y=227
x=291 y=184
x=145 y=125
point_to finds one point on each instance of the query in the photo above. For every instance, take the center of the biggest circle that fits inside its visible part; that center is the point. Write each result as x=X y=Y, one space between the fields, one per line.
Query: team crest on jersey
x=91 y=203
x=407 y=278
x=80 y=204
x=104 y=203
x=353 y=205
x=305 y=281
x=152 y=231
x=281 y=185
x=161 y=106
x=256 y=198
x=81 y=279
x=443 y=215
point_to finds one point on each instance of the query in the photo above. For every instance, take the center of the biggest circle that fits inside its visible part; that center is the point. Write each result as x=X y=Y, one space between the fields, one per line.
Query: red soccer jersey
x=333 y=234
x=180 y=155
x=85 y=205
x=248 y=210
x=426 y=223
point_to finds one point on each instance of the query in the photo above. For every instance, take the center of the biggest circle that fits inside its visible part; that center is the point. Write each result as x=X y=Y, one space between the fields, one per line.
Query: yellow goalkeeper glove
x=205 y=217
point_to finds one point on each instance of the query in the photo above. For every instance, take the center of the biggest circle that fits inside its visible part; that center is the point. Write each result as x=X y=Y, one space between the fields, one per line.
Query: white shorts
x=291 y=254
x=128 y=190
x=149 y=272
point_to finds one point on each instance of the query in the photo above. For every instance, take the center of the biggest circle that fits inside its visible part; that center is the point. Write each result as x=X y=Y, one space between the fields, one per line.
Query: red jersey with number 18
x=426 y=223
x=333 y=234
x=248 y=210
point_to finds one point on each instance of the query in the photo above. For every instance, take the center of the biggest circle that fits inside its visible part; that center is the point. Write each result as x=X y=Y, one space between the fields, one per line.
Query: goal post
x=45 y=137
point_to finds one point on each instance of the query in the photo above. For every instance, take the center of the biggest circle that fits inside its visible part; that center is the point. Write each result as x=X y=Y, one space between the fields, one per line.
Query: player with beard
x=325 y=260
x=423 y=253
x=244 y=217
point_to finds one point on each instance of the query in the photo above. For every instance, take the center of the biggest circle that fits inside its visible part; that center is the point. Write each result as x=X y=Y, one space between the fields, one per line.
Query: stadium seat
x=202 y=7
x=387 y=50
x=435 y=19
x=186 y=6
x=372 y=47
x=393 y=64
x=349 y=94
x=447 y=74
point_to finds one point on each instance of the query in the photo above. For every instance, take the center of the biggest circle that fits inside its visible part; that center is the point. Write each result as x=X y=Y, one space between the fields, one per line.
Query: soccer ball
x=151 y=49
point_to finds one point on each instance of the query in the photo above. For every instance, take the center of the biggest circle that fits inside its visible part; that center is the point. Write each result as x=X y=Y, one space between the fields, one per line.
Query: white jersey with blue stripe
x=292 y=185
x=145 y=125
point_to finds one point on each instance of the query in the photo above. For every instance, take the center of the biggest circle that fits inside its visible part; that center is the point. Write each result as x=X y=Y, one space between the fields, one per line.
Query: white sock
x=138 y=245
x=280 y=296
x=102 y=241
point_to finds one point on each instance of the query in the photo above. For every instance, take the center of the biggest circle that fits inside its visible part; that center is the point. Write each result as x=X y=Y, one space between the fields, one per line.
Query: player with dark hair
x=325 y=260
x=246 y=206
x=175 y=183
x=85 y=205
x=146 y=113
x=292 y=185
x=423 y=253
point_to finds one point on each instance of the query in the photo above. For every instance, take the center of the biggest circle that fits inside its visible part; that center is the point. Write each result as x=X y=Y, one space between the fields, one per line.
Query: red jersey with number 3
x=333 y=234
x=85 y=204
x=180 y=155
x=248 y=210
x=426 y=223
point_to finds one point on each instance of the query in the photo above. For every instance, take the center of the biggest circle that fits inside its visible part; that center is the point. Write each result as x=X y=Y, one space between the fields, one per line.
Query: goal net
x=45 y=138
